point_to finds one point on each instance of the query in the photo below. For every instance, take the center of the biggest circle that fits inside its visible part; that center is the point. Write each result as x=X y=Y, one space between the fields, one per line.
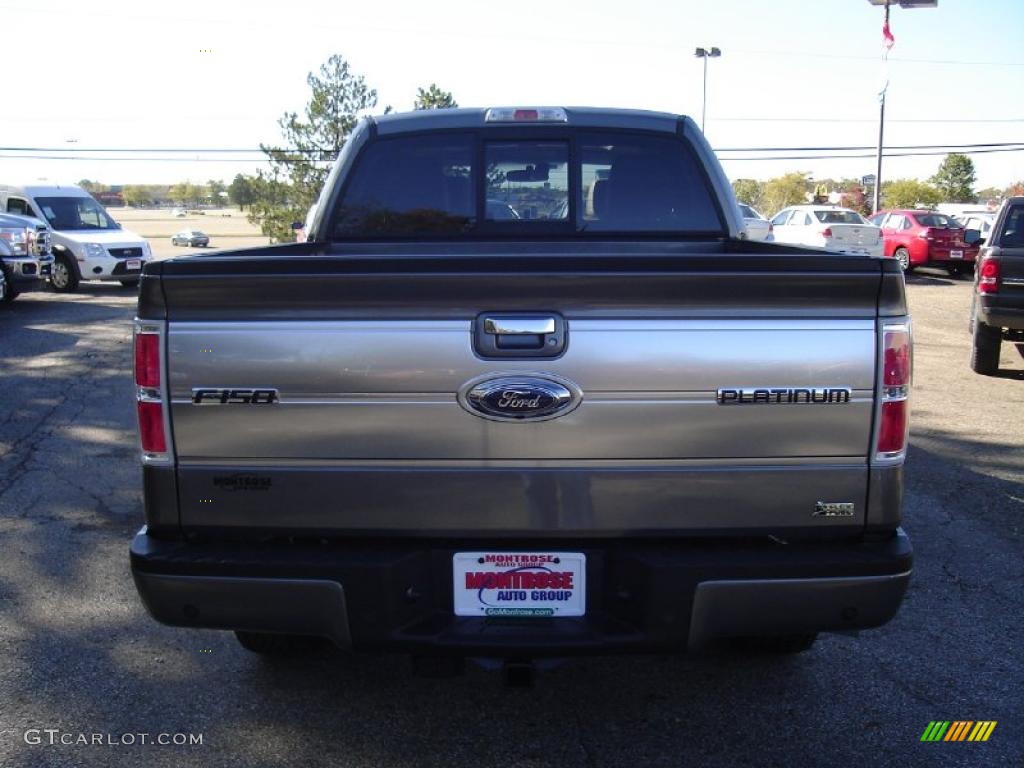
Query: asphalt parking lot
x=79 y=654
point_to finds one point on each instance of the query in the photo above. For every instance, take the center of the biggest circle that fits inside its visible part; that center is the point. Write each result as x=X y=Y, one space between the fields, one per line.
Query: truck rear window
x=466 y=185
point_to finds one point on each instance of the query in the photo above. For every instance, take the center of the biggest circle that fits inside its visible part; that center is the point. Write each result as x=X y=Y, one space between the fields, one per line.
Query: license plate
x=520 y=584
x=133 y=264
x=956 y=254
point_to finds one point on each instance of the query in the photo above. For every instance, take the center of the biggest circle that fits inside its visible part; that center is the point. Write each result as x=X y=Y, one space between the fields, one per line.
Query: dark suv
x=997 y=308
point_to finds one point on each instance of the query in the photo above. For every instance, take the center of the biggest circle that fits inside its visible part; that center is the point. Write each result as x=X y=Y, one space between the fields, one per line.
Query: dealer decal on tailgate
x=515 y=584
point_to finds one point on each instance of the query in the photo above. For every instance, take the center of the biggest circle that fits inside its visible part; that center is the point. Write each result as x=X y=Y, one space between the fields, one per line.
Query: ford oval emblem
x=529 y=397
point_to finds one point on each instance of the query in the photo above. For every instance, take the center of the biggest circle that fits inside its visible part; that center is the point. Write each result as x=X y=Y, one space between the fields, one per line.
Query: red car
x=919 y=238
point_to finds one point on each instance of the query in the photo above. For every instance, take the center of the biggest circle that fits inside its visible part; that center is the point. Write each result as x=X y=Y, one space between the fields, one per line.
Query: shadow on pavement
x=89 y=659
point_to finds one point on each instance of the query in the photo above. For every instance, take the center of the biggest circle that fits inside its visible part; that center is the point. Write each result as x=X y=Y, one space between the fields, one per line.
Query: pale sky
x=217 y=74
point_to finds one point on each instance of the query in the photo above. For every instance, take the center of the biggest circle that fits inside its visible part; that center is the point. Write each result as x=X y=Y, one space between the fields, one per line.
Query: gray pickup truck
x=997 y=306
x=606 y=424
x=26 y=258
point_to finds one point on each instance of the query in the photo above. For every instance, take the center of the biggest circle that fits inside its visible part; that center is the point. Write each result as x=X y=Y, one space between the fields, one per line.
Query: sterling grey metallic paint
x=347 y=390
x=418 y=499
x=352 y=446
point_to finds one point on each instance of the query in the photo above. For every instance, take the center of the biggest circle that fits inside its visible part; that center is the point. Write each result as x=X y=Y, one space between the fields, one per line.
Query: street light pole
x=705 y=53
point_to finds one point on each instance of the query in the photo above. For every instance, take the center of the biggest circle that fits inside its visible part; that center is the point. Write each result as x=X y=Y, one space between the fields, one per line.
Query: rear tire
x=902 y=255
x=776 y=644
x=9 y=294
x=985 y=348
x=64 y=277
x=280 y=646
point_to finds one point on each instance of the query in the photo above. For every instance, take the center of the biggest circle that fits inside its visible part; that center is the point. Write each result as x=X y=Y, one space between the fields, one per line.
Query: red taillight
x=526 y=114
x=826 y=232
x=147 y=360
x=896 y=375
x=988 y=276
x=892 y=429
x=151 y=427
x=149 y=393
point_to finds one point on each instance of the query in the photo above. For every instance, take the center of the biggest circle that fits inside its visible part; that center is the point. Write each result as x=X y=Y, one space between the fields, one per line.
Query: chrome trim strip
x=578 y=326
x=449 y=398
x=519 y=326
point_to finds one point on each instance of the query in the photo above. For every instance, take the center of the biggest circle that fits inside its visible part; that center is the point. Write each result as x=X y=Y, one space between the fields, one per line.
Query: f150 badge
x=530 y=397
x=771 y=395
x=222 y=396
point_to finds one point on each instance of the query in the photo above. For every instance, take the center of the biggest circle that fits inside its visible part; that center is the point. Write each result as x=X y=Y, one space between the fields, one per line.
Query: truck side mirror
x=973 y=237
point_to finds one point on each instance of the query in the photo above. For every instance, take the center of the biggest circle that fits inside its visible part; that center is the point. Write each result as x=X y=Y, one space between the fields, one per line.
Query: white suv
x=87 y=243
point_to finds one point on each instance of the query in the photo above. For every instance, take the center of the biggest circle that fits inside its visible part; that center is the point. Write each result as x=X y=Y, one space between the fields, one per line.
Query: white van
x=87 y=243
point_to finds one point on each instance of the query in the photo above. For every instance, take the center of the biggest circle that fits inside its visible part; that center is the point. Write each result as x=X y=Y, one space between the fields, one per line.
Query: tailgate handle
x=518 y=326
x=499 y=335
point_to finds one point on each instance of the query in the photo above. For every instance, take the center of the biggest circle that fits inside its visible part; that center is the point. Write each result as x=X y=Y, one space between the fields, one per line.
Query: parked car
x=178 y=213
x=192 y=238
x=87 y=243
x=829 y=227
x=982 y=222
x=625 y=431
x=997 y=308
x=756 y=226
x=25 y=254
x=918 y=238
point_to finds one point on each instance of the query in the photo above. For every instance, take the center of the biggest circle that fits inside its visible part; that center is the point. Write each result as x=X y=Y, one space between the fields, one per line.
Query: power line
x=249 y=161
x=872 y=154
x=855 y=57
x=140 y=148
x=854 y=149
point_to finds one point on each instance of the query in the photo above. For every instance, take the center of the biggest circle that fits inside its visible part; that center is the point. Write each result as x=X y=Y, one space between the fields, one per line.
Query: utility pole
x=889 y=40
x=877 y=203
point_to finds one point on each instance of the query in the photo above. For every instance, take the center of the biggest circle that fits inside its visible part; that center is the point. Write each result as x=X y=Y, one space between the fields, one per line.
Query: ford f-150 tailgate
x=707 y=392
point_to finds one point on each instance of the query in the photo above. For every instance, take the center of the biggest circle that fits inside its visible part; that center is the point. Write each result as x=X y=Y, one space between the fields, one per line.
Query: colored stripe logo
x=958 y=730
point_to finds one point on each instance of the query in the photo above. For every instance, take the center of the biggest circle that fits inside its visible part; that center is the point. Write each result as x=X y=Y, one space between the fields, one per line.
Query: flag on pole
x=890 y=41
